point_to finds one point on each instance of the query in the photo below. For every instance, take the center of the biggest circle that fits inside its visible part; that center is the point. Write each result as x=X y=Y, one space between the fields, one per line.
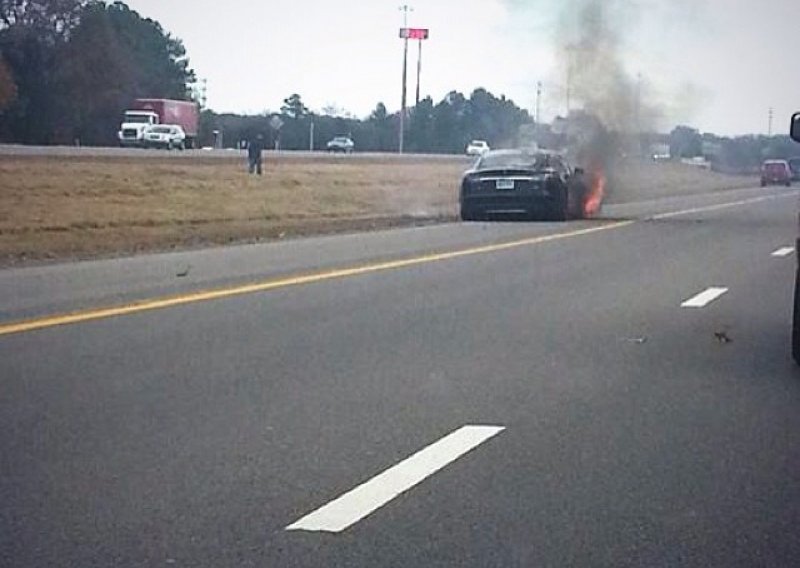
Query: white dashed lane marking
x=784 y=251
x=357 y=503
x=704 y=298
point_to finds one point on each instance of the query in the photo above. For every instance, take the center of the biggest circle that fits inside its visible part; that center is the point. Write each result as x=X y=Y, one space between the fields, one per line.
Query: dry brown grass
x=56 y=207
x=52 y=207
x=649 y=180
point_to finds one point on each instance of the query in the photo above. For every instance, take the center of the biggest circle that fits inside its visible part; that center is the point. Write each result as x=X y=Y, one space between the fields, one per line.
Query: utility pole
x=405 y=8
x=538 y=102
x=419 y=69
x=638 y=124
x=771 y=116
x=203 y=93
x=569 y=51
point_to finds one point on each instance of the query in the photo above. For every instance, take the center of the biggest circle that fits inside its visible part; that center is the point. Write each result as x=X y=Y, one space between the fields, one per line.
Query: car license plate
x=504 y=184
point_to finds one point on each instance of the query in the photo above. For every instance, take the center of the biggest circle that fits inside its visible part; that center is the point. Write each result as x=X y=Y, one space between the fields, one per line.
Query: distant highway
x=91 y=151
x=615 y=392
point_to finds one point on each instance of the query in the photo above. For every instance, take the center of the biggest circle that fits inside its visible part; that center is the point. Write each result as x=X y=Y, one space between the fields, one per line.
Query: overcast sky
x=718 y=65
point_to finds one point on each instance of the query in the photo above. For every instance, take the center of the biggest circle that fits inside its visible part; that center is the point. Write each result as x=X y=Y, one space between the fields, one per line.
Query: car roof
x=542 y=158
x=525 y=152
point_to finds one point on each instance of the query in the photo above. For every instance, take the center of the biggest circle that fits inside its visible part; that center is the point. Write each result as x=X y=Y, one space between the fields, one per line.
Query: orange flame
x=595 y=193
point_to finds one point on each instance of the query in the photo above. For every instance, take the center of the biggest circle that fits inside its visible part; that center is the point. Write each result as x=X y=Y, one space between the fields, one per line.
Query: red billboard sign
x=414 y=33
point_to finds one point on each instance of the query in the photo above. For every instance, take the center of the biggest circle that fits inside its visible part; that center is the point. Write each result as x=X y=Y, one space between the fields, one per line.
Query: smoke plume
x=589 y=46
x=607 y=107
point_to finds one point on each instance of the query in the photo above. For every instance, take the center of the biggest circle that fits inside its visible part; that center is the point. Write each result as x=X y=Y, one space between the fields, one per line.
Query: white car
x=167 y=136
x=341 y=144
x=477 y=148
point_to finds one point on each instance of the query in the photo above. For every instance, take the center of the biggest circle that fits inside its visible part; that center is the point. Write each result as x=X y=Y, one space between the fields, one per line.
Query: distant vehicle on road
x=794 y=165
x=341 y=144
x=519 y=183
x=477 y=148
x=776 y=172
x=169 y=136
x=147 y=113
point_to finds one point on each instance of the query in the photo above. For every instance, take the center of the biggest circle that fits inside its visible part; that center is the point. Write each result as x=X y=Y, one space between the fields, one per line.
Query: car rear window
x=517 y=160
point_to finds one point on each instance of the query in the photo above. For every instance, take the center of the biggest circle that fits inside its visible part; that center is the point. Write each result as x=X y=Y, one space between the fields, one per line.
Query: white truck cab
x=135 y=125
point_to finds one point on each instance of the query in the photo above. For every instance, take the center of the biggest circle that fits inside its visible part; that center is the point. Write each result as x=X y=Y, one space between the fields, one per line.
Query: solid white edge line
x=717 y=207
x=782 y=252
x=704 y=298
x=366 y=498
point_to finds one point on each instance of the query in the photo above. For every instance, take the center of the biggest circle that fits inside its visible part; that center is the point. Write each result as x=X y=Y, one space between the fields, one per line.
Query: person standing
x=254 y=150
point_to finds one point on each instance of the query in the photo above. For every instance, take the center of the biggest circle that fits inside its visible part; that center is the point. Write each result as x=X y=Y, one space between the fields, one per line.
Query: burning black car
x=529 y=184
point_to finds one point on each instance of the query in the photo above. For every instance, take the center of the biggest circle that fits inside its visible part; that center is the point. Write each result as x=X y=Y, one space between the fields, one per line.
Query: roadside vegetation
x=56 y=208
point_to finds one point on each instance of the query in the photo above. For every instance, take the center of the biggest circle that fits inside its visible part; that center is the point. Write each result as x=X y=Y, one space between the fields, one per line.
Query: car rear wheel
x=468 y=213
x=561 y=206
x=575 y=199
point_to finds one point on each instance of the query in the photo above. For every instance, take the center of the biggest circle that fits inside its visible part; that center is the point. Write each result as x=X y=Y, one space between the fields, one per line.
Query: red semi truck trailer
x=144 y=113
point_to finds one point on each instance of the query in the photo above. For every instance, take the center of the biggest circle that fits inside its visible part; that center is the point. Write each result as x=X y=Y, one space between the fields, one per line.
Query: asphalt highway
x=613 y=392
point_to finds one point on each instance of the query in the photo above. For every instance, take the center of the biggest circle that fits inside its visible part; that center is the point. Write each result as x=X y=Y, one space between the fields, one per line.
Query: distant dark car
x=776 y=172
x=794 y=165
x=520 y=183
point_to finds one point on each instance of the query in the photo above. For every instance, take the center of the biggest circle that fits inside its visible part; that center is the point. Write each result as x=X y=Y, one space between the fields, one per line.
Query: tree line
x=444 y=127
x=68 y=68
x=738 y=154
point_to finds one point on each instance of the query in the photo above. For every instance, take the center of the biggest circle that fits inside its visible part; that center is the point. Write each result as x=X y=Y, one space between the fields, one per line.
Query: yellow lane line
x=208 y=295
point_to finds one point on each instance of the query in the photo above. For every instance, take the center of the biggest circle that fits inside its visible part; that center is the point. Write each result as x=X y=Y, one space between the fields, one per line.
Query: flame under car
x=529 y=185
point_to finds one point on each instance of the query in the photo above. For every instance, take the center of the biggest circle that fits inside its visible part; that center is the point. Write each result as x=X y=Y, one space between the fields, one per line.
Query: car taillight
x=471 y=184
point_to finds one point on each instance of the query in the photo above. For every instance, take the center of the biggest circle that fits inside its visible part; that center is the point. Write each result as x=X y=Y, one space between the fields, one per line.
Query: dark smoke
x=589 y=46
x=607 y=105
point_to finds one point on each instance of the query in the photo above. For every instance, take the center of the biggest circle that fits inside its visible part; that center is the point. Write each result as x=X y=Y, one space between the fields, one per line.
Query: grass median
x=83 y=207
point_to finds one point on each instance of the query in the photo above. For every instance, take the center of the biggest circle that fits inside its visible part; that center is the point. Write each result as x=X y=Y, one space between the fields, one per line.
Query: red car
x=776 y=172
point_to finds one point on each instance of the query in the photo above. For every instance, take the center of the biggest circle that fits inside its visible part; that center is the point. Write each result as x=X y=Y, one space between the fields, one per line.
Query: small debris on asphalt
x=722 y=337
x=185 y=272
x=636 y=340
